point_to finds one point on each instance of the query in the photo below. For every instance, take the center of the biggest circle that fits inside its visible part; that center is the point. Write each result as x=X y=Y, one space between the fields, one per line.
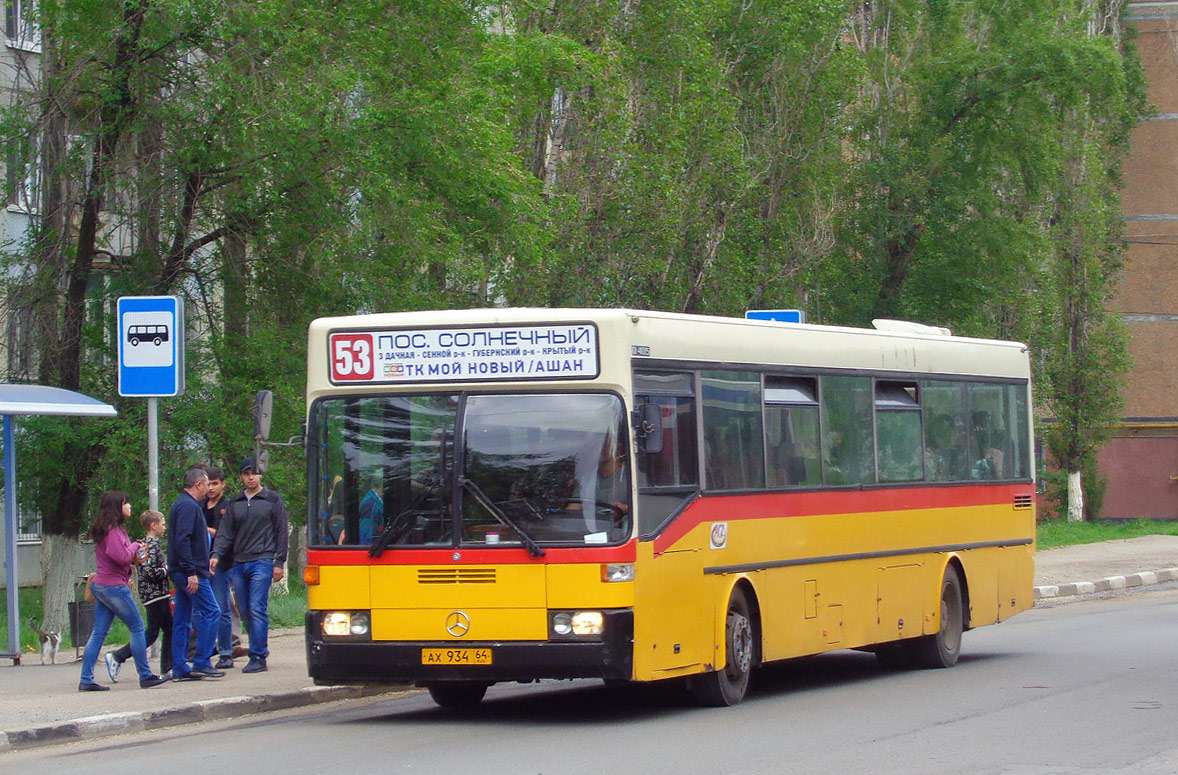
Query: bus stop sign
x=779 y=315
x=151 y=346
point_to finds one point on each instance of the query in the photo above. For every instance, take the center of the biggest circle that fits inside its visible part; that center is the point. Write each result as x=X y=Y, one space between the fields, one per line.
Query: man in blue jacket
x=254 y=534
x=188 y=567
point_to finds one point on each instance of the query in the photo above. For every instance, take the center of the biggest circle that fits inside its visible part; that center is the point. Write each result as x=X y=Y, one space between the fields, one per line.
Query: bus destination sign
x=468 y=354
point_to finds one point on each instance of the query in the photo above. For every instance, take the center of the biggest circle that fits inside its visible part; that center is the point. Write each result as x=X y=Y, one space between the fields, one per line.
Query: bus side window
x=946 y=423
x=733 y=432
x=898 y=432
x=668 y=477
x=848 y=450
x=791 y=431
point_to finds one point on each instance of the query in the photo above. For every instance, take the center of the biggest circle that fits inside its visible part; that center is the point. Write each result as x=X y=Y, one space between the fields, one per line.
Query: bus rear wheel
x=457 y=695
x=721 y=688
x=943 y=648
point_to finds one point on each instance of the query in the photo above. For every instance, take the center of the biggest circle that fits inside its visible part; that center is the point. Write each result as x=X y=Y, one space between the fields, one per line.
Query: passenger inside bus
x=611 y=488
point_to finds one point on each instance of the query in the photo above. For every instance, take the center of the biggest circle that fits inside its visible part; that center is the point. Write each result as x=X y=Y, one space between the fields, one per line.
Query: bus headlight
x=347 y=624
x=576 y=625
x=617 y=571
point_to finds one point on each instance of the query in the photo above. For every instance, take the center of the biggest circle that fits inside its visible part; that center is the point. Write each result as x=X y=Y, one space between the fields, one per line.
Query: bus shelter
x=26 y=400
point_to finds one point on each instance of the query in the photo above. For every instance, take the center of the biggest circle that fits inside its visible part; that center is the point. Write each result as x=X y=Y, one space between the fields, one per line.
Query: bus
x=521 y=494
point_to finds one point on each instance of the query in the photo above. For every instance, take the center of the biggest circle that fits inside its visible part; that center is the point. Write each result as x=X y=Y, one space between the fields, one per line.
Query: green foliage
x=1053 y=504
x=951 y=162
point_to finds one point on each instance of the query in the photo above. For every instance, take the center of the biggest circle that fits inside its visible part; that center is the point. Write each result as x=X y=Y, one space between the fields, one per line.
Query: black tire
x=157 y=341
x=457 y=695
x=943 y=648
x=134 y=341
x=722 y=688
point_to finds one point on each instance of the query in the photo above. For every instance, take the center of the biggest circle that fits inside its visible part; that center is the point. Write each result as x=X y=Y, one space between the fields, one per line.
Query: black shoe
x=255 y=666
x=155 y=680
x=92 y=687
x=208 y=672
x=191 y=675
x=224 y=663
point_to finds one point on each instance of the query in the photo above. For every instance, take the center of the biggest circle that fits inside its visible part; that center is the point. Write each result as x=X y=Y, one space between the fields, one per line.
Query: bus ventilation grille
x=456 y=576
x=1024 y=501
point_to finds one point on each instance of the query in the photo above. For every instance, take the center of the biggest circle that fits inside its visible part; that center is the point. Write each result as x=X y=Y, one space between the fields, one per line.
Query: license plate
x=456 y=656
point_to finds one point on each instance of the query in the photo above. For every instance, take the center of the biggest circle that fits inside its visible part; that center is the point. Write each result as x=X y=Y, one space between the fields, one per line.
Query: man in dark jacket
x=216 y=506
x=254 y=534
x=188 y=567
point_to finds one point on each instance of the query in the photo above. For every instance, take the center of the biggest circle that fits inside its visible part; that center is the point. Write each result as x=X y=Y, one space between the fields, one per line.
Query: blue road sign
x=151 y=346
x=779 y=315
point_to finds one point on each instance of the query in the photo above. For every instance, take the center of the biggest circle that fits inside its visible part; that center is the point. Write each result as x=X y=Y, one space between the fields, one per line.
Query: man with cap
x=254 y=533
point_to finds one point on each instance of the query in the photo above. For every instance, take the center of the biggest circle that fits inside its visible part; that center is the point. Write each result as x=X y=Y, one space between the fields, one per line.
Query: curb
x=1107 y=584
x=201 y=710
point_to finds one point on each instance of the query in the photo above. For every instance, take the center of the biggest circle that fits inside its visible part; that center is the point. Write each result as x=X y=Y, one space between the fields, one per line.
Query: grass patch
x=31 y=608
x=1058 y=532
x=288 y=610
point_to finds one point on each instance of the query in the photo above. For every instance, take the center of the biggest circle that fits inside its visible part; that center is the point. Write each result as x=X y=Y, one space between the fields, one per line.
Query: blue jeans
x=109 y=602
x=251 y=585
x=193 y=610
x=220 y=582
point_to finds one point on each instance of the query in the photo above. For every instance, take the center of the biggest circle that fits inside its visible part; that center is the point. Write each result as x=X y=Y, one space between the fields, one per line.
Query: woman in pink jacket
x=114 y=553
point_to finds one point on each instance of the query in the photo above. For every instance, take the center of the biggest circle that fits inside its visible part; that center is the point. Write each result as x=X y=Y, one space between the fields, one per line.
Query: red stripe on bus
x=729 y=508
x=502 y=556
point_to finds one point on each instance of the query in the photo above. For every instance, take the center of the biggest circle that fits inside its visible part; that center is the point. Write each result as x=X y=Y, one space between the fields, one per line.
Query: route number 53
x=351 y=357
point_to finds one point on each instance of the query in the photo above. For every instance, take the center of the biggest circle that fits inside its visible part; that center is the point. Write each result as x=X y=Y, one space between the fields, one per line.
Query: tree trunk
x=1075 y=497
x=63 y=560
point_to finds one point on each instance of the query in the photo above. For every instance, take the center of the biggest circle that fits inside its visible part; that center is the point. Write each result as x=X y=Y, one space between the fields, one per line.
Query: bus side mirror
x=261 y=460
x=648 y=428
x=263 y=413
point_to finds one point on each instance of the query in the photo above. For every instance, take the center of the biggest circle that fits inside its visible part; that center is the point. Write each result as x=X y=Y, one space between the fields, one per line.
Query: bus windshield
x=460 y=470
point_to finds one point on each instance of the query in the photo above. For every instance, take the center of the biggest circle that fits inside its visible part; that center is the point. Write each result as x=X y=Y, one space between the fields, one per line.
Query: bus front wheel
x=721 y=688
x=457 y=695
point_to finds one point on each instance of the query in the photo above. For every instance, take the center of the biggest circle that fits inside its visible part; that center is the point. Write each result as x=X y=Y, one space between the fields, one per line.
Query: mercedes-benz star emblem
x=457 y=624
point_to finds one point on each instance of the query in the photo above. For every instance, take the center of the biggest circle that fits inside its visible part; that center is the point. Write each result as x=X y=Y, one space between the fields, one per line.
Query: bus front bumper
x=341 y=661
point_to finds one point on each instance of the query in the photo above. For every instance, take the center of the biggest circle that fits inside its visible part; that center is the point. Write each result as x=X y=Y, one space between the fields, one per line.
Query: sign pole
x=153 y=454
x=151 y=365
x=10 y=544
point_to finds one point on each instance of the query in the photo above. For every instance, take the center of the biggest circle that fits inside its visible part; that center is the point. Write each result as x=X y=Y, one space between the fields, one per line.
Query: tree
x=268 y=163
x=1083 y=340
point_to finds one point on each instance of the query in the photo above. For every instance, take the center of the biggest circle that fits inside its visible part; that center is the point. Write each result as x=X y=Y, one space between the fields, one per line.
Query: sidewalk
x=40 y=704
x=1107 y=566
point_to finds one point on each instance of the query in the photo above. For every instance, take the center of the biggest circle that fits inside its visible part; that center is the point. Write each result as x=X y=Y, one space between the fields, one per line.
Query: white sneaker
x=113 y=666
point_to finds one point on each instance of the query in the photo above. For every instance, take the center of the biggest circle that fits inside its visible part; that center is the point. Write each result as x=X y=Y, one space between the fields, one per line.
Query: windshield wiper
x=390 y=534
x=498 y=513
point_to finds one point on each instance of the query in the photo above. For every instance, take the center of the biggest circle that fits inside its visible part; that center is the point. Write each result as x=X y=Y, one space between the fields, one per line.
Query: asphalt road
x=1087 y=687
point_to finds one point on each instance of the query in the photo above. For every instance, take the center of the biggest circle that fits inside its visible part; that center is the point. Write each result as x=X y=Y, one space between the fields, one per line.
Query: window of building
x=20 y=25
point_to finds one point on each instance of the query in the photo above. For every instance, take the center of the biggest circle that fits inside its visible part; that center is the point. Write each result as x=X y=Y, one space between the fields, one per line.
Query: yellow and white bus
x=518 y=494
